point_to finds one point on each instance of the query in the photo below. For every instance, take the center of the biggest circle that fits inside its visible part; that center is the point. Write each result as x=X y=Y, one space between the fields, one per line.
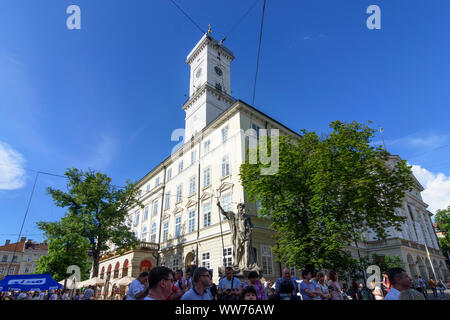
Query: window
x=165 y=231
x=266 y=257
x=179 y=193
x=191 y=221
x=192 y=185
x=153 y=235
x=145 y=213
x=193 y=156
x=206 y=177
x=226 y=202
x=2 y=269
x=30 y=258
x=177 y=227
x=140 y=194
x=175 y=264
x=27 y=269
x=206 y=215
x=144 y=234
x=136 y=222
x=228 y=257
x=205 y=260
x=224 y=134
x=11 y=270
x=225 y=166
x=148 y=188
x=167 y=200
x=256 y=128
x=180 y=166
x=136 y=234
x=5 y=259
x=206 y=146
x=155 y=207
x=157 y=182
x=169 y=174
x=130 y=221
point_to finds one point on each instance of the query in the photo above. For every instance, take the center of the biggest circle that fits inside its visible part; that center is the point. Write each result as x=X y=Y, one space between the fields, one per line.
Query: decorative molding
x=225 y=186
x=191 y=202
x=206 y=196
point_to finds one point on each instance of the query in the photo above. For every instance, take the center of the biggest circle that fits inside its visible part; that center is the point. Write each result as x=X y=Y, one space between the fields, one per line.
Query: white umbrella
x=94 y=282
x=125 y=281
x=70 y=283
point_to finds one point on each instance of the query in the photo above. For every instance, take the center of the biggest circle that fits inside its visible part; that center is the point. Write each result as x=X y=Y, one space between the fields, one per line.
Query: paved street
x=431 y=297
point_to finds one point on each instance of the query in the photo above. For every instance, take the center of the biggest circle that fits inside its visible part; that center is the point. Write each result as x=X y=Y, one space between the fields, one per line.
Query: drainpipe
x=160 y=217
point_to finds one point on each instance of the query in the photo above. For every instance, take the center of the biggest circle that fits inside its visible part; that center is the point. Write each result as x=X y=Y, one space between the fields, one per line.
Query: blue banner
x=29 y=282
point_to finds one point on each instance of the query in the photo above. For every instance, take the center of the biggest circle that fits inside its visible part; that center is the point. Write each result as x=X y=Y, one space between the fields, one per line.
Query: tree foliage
x=66 y=247
x=100 y=208
x=442 y=218
x=328 y=191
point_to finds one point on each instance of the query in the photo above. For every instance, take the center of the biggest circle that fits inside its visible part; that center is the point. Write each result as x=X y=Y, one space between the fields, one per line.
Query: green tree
x=100 y=208
x=442 y=218
x=66 y=247
x=387 y=262
x=327 y=191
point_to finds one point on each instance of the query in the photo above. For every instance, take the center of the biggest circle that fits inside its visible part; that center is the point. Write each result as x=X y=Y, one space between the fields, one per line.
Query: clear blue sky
x=108 y=96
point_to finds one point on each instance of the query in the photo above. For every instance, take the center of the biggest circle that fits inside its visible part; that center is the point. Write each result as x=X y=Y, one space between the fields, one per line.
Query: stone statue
x=241 y=232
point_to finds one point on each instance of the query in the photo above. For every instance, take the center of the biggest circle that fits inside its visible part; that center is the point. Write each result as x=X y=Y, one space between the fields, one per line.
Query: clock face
x=199 y=73
x=218 y=71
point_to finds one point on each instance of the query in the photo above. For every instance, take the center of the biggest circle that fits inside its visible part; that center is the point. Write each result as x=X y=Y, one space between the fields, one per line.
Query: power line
x=23 y=222
x=259 y=50
x=239 y=21
x=187 y=16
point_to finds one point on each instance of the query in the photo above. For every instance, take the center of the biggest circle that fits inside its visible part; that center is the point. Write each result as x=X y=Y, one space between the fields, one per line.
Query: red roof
x=23 y=245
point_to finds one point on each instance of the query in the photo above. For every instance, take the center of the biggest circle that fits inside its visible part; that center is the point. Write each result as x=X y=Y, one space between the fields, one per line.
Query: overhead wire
x=259 y=51
x=187 y=16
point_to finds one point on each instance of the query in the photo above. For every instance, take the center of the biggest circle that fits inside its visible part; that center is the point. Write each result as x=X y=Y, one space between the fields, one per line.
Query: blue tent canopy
x=29 y=282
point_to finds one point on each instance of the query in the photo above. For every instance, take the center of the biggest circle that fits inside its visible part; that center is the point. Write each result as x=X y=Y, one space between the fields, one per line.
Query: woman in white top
x=377 y=292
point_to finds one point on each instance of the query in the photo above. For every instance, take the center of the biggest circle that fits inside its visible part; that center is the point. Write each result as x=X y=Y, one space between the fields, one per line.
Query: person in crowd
x=322 y=292
x=423 y=285
x=410 y=294
x=213 y=286
x=286 y=277
x=286 y=288
x=307 y=288
x=22 y=296
x=76 y=296
x=160 y=283
x=138 y=287
x=249 y=293
x=65 y=295
x=400 y=281
x=267 y=286
x=89 y=293
x=201 y=281
x=230 y=288
x=376 y=291
x=334 y=287
x=385 y=284
x=353 y=292
x=441 y=287
x=179 y=287
x=253 y=281
x=35 y=295
x=189 y=274
x=416 y=284
x=432 y=285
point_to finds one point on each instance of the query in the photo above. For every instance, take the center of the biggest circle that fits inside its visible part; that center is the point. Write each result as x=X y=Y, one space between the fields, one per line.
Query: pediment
x=206 y=196
x=177 y=210
x=191 y=202
x=225 y=186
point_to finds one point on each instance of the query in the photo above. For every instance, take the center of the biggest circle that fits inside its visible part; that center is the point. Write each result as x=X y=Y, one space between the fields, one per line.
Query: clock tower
x=209 y=91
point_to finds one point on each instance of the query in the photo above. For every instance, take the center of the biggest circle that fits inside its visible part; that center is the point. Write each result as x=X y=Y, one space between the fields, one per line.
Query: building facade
x=181 y=225
x=20 y=257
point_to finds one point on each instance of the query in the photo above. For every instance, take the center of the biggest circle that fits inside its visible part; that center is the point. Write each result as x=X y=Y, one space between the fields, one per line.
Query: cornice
x=200 y=91
x=207 y=40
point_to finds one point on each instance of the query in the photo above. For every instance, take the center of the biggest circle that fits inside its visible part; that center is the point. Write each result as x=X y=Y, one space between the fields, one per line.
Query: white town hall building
x=181 y=224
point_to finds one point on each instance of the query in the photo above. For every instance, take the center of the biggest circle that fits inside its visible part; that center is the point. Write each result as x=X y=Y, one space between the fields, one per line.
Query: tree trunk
x=95 y=263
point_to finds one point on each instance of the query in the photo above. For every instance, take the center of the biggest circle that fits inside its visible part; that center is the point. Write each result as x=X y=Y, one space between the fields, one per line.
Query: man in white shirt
x=400 y=281
x=138 y=288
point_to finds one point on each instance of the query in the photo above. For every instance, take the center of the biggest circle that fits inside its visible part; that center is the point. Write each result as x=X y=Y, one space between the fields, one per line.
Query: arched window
x=146 y=265
x=108 y=272
x=125 y=269
x=102 y=273
x=116 y=270
x=144 y=234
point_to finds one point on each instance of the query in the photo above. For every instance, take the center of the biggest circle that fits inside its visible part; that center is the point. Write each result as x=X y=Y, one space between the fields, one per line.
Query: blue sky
x=108 y=96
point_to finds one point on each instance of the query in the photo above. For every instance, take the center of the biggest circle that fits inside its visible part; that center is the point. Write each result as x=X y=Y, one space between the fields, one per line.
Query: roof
x=21 y=246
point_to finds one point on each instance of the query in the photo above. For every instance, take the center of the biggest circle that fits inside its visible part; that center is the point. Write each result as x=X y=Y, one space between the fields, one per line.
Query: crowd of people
x=161 y=283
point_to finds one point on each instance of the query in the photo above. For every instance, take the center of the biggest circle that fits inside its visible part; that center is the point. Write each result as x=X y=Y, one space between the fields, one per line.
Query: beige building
x=181 y=224
x=20 y=257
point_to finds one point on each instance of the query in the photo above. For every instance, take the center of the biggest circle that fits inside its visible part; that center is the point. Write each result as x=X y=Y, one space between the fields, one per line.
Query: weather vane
x=209 y=29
